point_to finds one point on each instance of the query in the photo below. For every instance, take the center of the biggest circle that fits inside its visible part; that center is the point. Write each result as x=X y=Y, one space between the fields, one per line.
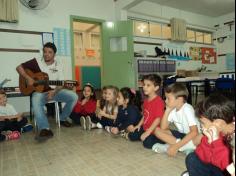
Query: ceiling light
x=142 y=27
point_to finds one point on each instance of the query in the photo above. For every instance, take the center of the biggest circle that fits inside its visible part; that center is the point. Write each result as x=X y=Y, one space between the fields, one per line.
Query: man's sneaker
x=43 y=135
x=160 y=148
x=65 y=123
x=185 y=173
x=83 y=122
x=99 y=125
x=13 y=136
x=27 y=128
x=88 y=123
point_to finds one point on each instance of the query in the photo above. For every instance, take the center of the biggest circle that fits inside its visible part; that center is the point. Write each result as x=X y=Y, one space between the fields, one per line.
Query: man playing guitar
x=49 y=65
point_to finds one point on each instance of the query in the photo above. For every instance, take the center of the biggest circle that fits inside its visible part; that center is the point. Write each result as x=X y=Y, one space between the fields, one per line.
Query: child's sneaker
x=6 y=132
x=13 y=136
x=108 y=129
x=185 y=173
x=124 y=134
x=83 y=122
x=99 y=125
x=187 y=152
x=27 y=128
x=88 y=123
x=160 y=148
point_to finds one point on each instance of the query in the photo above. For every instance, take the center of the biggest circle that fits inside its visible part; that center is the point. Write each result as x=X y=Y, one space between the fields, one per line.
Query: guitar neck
x=56 y=82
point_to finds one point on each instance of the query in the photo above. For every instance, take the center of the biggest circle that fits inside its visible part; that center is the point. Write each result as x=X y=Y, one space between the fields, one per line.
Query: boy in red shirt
x=153 y=110
x=212 y=155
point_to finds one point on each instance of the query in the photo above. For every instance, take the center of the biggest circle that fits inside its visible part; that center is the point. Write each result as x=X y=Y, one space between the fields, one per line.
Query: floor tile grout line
x=31 y=157
x=1 y=151
x=17 y=159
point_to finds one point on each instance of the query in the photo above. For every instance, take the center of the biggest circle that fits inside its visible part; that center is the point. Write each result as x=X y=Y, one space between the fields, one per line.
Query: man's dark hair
x=2 y=92
x=216 y=106
x=50 y=45
x=156 y=79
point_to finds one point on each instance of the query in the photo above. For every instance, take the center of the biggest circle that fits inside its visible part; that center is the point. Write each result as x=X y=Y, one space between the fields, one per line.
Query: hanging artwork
x=195 y=53
x=208 y=56
x=230 y=61
x=177 y=51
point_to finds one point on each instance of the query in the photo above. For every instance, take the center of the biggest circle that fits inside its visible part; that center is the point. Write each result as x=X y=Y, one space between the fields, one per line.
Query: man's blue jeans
x=196 y=167
x=40 y=99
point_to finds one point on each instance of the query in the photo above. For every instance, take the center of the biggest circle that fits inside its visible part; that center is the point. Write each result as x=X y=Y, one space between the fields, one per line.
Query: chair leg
x=196 y=95
x=57 y=114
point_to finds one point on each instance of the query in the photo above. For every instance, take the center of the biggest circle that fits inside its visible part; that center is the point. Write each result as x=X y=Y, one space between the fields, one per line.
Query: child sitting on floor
x=108 y=114
x=182 y=115
x=153 y=110
x=85 y=108
x=129 y=111
x=11 y=122
x=212 y=155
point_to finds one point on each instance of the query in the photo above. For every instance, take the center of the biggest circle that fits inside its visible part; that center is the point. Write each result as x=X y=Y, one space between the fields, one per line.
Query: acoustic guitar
x=42 y=83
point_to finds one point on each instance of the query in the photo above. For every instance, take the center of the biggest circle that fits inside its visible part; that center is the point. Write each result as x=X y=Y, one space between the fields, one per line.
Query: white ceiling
x=213 y=8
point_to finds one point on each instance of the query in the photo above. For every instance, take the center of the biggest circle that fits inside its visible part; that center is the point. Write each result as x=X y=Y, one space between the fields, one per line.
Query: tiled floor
x=74 y=152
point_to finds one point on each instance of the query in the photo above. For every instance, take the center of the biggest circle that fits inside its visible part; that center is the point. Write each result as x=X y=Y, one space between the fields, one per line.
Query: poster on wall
x=230 y=61
x=62 y=41
x=195 y=53
x=208 y=56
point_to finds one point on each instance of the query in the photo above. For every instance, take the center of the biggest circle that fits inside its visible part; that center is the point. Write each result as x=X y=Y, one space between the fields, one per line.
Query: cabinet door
x=118 y=54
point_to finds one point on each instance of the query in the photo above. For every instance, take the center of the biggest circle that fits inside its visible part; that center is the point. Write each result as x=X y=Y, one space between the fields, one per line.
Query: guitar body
x=40 y=76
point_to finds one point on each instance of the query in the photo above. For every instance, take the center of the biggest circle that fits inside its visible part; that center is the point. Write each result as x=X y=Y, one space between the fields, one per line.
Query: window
x=166 y=32
x=155 y=30
x=190 y=35
x=162 y=30
x=118 y=44
x=208 y=38
x=199 y=37
x=141 y=28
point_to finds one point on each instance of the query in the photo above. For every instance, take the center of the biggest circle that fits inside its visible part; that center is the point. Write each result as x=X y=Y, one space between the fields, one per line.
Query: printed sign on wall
x=195 y=53
x=208 y=56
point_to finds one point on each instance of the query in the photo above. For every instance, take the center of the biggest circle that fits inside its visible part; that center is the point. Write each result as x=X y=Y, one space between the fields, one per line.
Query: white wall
x=154 y=12
x=57 y=14
x=228 y=46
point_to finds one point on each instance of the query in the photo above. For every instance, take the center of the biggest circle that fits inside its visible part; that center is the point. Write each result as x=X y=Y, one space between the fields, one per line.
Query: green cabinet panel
x=91 y=75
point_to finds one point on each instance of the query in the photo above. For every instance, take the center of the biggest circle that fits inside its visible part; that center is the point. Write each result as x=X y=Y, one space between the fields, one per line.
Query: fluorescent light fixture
x=110 y=24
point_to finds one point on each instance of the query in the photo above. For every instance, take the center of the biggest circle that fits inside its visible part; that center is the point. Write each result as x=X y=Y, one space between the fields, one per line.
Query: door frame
x=74 y=18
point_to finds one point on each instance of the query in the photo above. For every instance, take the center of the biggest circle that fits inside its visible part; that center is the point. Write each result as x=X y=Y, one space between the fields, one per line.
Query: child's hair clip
x=133 y=91
x=88 y=84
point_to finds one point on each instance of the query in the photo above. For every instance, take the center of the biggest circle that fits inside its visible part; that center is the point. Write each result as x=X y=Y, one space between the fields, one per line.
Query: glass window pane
x=191 y=35
x=166 y=32
x=155 y=30
x=207 y=38
x=199 y=37
x=141 y=29
x=118 y=44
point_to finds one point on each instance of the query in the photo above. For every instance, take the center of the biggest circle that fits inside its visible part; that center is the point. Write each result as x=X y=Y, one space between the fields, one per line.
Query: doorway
x=86 y=51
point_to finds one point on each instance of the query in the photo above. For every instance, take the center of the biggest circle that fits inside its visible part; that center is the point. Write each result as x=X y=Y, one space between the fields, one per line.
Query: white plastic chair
x=57 y=113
